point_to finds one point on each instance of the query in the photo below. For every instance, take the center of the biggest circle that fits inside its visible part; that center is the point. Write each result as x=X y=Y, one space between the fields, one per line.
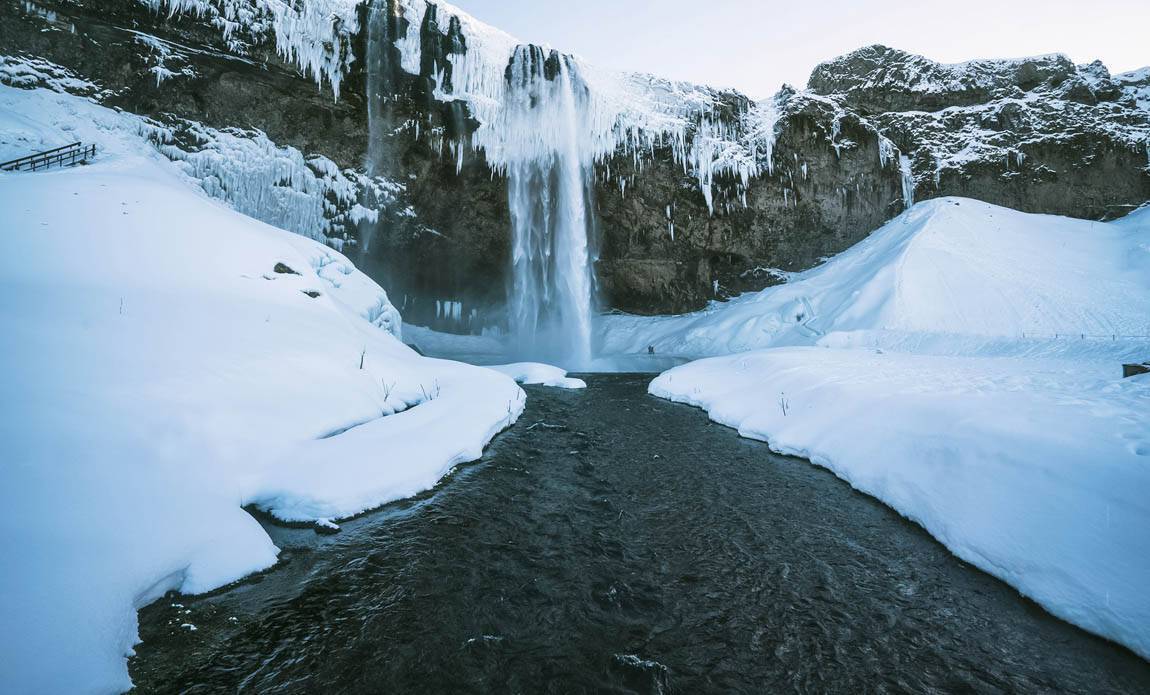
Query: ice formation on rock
x=545 y=120
x=904 y=167
x=316 y=35
x=310 y=196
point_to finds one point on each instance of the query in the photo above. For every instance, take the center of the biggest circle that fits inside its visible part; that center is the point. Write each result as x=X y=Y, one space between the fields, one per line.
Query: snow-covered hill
x=953 y=267
x=166 y=361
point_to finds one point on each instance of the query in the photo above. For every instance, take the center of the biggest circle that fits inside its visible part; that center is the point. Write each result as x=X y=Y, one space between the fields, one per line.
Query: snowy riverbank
x=963 y=366
x=1036 y=471
x=167 y=361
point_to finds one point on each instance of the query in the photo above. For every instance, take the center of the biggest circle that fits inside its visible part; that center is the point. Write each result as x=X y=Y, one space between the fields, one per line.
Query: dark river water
x=612 y=542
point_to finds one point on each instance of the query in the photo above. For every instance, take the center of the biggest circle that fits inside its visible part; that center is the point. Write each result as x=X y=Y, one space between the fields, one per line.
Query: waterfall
x=379 y=87
x=543 y=120
x=549 y=166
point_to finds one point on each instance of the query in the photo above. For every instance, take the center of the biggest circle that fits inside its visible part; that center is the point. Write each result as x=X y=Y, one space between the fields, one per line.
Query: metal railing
x=66 y=156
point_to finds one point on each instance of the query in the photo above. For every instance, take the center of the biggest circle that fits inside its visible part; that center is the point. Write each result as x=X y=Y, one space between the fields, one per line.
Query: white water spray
x=550 y=168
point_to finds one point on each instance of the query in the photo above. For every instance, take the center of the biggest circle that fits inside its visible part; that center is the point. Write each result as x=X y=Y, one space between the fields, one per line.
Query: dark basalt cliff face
x=1040 y=135
x=1036 y=134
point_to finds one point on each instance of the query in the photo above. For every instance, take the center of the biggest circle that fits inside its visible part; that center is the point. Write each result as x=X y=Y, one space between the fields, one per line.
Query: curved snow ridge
x=947 y=266
x=396 y=456
x=1036 y=471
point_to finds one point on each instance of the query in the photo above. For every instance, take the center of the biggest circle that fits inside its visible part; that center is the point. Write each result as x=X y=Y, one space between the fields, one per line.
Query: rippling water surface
x=612 y=542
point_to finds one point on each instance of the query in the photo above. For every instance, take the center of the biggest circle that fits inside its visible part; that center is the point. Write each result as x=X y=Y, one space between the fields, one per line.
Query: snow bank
x=543 y=374
x=167 y=361
x=1036 y=471
x=962 y=364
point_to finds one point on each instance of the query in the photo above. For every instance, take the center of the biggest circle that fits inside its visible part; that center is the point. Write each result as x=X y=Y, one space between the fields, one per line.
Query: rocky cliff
x=379 y=136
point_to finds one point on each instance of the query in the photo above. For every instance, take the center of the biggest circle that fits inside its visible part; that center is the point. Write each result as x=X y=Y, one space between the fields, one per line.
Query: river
x=613 y=542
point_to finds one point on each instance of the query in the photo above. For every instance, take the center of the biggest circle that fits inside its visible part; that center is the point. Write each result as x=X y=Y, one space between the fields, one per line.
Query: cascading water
x=549 y=165
x=544 y=120
x=378 y=85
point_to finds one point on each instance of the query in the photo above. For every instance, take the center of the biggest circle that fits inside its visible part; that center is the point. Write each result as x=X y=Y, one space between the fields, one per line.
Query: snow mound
x=167 y=361
x=951 y=266
x=542 y=374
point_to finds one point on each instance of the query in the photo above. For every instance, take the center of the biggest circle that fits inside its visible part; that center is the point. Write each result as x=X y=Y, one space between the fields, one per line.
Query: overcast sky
x=756 y=46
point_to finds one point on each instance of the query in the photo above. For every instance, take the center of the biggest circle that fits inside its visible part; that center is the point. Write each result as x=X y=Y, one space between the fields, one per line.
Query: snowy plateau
x=184 y=340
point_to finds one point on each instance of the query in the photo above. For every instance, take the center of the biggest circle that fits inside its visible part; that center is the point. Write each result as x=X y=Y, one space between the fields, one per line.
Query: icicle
x=907 y=180
x=886 y=151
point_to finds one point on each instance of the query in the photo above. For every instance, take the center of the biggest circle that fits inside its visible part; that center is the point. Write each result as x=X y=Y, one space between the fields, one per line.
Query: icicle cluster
x=624 y=113
x=278 y=185
x=908 y=185
x=627 y=113
x=316 y=35
x=889 y=153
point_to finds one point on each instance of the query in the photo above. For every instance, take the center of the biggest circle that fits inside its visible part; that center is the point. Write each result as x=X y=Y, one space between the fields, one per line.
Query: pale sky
x=757 y=46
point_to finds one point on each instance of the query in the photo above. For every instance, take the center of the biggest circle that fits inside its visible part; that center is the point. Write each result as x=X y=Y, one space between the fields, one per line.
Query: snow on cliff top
x=880 y=67
x=1137 y=84
x=159 y=374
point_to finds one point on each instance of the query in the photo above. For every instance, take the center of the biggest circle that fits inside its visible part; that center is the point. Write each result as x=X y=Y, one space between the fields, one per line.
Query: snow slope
x=159 y=374
x=963 y=366
x=952 y=267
